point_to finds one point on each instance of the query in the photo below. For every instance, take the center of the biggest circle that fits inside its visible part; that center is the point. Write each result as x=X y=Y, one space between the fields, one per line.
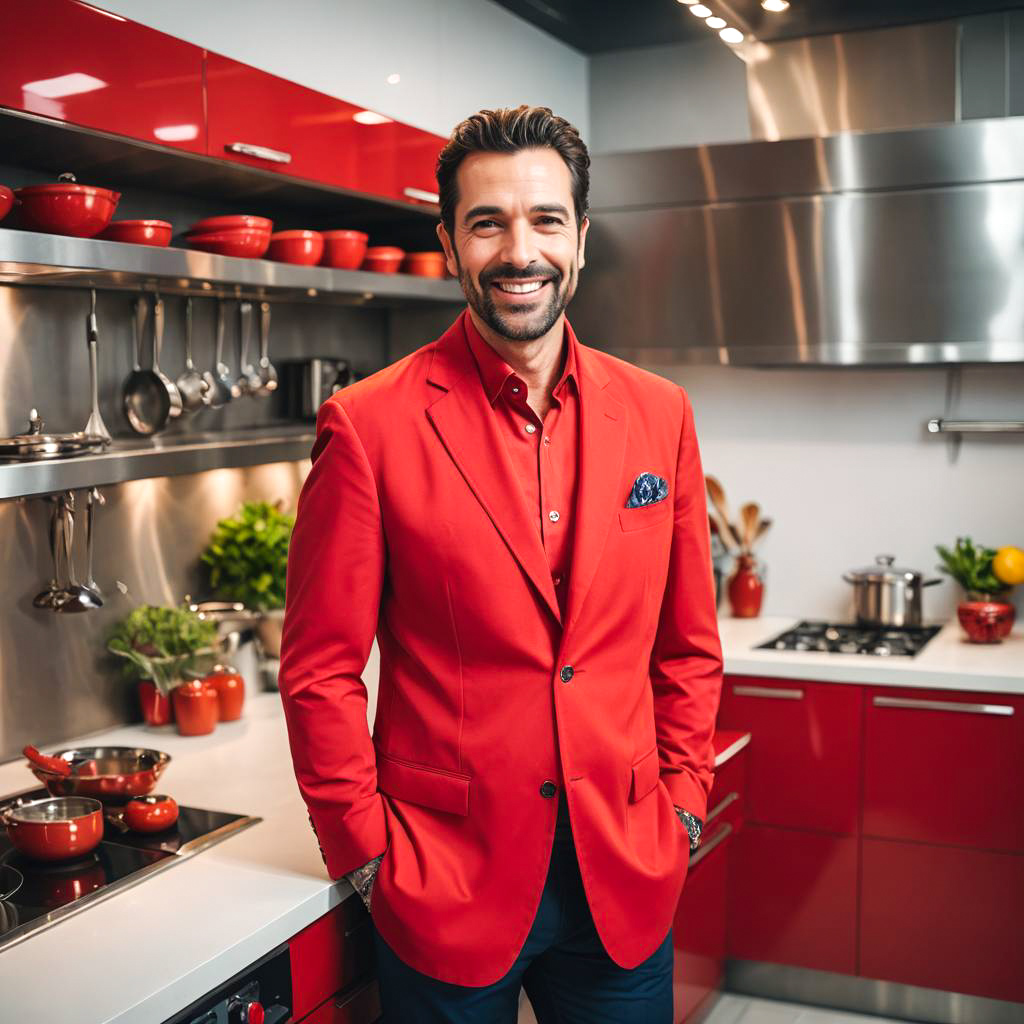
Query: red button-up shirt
x=545 y=453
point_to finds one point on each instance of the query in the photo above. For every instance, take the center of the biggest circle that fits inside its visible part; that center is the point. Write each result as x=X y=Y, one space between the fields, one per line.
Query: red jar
x=230 y=687
x=745 y=588
x=156 y=708
x=195 y=707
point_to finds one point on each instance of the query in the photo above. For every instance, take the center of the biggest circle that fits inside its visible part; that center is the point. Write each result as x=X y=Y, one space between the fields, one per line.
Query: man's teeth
x=520 y=289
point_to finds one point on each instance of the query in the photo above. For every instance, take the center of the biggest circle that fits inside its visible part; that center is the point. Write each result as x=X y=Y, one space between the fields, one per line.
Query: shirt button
x=515 y=390
x=548 y=789
x=556 y=579
x=553 y=516
x=566 y=673
x=530 y=428
x=547 y=440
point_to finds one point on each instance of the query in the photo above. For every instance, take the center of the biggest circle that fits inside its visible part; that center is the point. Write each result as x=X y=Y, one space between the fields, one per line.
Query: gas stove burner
x=852 y=638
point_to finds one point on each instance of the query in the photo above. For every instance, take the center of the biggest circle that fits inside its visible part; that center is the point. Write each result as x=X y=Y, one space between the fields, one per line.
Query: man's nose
x=519 y=249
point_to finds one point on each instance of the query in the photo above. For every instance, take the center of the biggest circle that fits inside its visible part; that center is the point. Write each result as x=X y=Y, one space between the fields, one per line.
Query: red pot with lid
x=6 y=201
x=67 y=208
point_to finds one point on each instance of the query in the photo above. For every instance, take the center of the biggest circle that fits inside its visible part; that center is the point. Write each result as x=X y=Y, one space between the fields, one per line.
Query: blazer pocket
x=645 y=515
x=646 y=773
x=421 y=784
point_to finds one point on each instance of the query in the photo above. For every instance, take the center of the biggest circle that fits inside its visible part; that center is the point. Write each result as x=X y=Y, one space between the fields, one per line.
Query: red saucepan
x=67 y=208
x=110 y=774
x=56 y=828
x=6 y=201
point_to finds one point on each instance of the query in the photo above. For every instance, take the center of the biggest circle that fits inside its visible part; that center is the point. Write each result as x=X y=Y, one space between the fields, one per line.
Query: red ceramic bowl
x=139 y=232
x=986 y=622
x=152 y=813
x=344 y=249
x=384 y=259
x=231 y=221
x=304 y=247
x=6 y=201
x=56 y=828
x=242 y=242
x=67 y=208
x=424 y=264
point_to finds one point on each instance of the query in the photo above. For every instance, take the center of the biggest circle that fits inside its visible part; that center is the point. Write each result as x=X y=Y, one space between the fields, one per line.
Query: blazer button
x=548 y=789
x=566 y=674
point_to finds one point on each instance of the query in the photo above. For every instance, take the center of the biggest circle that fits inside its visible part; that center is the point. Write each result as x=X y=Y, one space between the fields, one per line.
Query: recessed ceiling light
x=775 y=6
x=701 y=11
x=731 y=35
x=715 y=22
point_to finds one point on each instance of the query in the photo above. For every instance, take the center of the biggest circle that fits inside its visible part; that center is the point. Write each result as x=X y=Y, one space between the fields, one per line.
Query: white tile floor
x=734 y=1009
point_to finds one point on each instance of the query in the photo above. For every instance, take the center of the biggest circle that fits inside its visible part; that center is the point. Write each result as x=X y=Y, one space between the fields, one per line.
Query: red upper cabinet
x=75 y=63
x=805 y=755
x=260 y=120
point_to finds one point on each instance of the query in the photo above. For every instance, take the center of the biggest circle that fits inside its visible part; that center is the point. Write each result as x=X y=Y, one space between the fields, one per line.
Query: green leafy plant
x=248 y=556
x=971 y=566
x=165 y=644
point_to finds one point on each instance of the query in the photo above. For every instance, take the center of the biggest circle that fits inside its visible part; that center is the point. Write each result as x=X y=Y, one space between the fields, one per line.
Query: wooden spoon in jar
x=717 y=495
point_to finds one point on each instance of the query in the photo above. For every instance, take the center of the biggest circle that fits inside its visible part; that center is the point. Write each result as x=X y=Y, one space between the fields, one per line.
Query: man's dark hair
x=508 y=131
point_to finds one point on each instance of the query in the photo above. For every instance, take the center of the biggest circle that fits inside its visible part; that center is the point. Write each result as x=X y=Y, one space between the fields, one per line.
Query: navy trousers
x=563 y=967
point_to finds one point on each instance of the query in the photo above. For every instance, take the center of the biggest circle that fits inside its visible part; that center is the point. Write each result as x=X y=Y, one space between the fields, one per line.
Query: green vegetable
x=166 y=645
x=971 y=566
x=248 y=556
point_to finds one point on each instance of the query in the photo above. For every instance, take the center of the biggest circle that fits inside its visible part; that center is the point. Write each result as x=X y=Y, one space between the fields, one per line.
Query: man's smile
x=531 y=287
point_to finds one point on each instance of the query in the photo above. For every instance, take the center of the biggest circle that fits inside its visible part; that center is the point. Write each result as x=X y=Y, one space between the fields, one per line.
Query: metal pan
x=147 y=403
x=36 y=445
x=110 y=774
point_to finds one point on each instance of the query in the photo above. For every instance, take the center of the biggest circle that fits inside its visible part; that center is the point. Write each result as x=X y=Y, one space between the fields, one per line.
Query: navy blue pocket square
x=647 y=489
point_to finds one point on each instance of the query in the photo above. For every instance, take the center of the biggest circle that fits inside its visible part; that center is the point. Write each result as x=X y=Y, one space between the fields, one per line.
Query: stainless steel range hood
x=879 y=248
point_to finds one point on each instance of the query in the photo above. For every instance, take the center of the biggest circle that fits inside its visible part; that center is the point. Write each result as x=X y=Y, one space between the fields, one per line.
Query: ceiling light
x=715 y=22
x=689 y=3
x=394 y=79
x=731 y=35
x=701 y=11
x=370 y=117
x=775 y=6
x=64 y=85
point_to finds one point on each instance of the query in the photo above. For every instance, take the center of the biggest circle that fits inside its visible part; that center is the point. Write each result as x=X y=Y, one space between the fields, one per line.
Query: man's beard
x=542 y=319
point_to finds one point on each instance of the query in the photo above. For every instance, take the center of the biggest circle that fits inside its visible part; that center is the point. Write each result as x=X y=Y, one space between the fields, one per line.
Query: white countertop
x=947 y=662
x=182 y=932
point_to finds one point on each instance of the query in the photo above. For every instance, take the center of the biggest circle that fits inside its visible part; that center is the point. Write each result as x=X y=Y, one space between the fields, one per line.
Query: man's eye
x=484 y=223
x=550 y=220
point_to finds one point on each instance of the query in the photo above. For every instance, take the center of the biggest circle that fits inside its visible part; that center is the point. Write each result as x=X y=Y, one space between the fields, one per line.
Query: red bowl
x=231 y=221
x=240 y=242
x=138 y=232
x=344 y=249
x=986 y=622
x=383 y=259
x=55 y=828
x=424 y=264
x=152 y=813
x=304 y=247
x=67 y=209
x=6 y=201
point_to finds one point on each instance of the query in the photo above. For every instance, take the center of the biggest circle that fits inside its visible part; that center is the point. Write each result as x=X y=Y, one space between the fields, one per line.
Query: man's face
x=516 y=251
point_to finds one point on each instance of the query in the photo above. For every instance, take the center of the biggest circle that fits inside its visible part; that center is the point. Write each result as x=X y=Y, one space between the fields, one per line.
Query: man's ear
x=449 y=249
x=583 y=242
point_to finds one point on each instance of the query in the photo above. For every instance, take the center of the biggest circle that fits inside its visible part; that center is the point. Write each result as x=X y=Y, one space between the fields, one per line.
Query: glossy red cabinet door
x=805 y=756
x=793 y=898
x=944 y=767
x=260 y=120
x=943 y=918
x=72 y=62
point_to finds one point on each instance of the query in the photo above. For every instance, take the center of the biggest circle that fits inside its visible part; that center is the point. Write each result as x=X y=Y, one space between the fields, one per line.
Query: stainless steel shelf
x=153 y=457
x=28 y=257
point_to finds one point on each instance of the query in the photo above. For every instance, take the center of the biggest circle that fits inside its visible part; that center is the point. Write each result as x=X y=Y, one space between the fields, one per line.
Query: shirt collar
x=494 y=371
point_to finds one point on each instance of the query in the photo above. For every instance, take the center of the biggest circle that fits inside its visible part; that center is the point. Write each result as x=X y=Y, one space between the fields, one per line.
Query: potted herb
x=247 y=558
x=163 y=647
x=987 y=614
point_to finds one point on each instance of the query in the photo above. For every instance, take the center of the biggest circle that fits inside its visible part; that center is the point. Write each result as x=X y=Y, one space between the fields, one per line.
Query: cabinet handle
x=768 y=691
x=943 y=705
x=705 y=848
x=275 y=156
x=721 y=806
x=421 y=193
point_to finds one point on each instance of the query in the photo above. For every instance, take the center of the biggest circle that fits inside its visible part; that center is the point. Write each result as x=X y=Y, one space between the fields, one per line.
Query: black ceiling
x=597 y=26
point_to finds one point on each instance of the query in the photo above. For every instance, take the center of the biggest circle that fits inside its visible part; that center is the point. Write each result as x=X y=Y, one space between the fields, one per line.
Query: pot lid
x=66 y=185
x=883 y=571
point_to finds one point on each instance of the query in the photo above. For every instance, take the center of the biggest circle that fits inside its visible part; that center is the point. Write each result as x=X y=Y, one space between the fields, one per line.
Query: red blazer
x=412 y=525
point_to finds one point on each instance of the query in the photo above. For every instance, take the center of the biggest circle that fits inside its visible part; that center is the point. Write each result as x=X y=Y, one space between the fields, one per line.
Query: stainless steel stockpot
x=886 y=595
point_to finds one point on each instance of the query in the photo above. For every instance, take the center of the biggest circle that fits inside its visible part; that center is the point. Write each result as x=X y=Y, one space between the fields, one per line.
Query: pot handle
x=929 y=583
x=849 y=579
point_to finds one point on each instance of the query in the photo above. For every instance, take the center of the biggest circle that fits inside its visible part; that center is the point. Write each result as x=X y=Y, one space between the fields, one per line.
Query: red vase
x=195 y=707
x=986 y=620
x=230 y=687
x=745 y=588
x=156 y=708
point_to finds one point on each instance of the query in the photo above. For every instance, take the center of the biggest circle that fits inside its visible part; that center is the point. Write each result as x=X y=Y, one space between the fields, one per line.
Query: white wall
x=454 y=56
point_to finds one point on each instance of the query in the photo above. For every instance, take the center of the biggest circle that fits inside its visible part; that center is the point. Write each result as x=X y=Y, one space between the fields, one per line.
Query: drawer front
x=726 y=800
x=943 y=917
x=944 y=767
x=793 y=899
x=359 y=1005
x=805 y=754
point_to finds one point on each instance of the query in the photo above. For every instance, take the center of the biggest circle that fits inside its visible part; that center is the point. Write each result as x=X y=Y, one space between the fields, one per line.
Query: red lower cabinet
x=793 y=898
x=943 y=917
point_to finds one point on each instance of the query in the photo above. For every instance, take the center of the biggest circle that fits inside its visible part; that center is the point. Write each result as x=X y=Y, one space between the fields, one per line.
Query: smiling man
x=520 y=519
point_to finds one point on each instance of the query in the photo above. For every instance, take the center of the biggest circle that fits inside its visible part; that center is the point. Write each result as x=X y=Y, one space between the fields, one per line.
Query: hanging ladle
x=193 y=385
x=267 y=373
x=223 y=382
x=147 y=403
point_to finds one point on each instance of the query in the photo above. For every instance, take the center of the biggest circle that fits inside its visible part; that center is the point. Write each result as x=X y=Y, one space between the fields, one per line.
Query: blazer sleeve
x=336 y=561
x=686 y=659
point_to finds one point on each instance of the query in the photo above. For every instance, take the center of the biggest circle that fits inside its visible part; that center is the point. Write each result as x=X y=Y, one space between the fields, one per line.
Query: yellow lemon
x=1008 y=565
